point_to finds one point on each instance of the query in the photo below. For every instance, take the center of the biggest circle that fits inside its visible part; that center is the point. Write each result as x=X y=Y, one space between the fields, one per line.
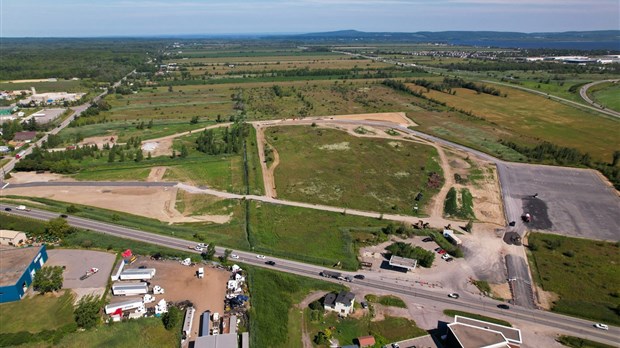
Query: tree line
x=229 y=141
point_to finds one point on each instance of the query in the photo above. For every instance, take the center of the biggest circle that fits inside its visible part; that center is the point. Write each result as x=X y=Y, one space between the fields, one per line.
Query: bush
x=86 y=313
x=172 y=318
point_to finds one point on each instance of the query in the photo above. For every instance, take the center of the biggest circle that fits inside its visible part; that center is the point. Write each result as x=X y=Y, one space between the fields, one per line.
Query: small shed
x=366 y=341
x=10 y=237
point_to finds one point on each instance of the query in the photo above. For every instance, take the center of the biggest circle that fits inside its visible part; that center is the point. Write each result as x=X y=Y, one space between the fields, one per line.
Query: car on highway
x=8 y=209
x=271 y=263
x=234 y=256
x=202 y=245
x=359 y=276
x=199 y=248
x=64 y=216
x=503 y=306
x=262 y=257
x=453 y=295
x=601 y=326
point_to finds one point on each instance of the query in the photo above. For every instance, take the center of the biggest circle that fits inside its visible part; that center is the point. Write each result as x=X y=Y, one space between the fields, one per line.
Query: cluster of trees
x=231 y=139
x=58 y=161
x=457 y=82
x=547 y=152
x=399 y=86
x=87 y=116
x=425 y=258
x=86 y=314
x=9 y=128
x=48 y=279
x=172 y=318
x=552 y=67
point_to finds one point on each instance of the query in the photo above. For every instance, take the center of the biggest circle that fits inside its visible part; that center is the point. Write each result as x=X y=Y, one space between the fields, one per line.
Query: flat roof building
x=403 y=262
x=472 y=333
x=17 y=270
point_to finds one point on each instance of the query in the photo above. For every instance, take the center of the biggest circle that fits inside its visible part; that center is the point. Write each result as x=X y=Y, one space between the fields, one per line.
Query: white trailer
x=201 y=272
x=189 y=321
x=138 y=274
x=449 y=235
x=128 y=289
x=124 y=306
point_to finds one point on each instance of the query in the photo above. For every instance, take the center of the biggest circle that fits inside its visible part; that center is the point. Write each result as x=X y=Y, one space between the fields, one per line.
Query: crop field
x=561 y=264
x=607 y=94
x=307 y=235
x=524 y=116
x=330 y=167
x=44 y=87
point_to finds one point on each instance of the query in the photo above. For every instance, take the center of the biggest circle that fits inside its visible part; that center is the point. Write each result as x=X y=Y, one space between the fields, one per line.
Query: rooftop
x=513 y=335
x=403 y=262
x=13 y=263
x=475 y=337
x=330 y=299
x=10 y=234
x=217 y=341
x=345 y=297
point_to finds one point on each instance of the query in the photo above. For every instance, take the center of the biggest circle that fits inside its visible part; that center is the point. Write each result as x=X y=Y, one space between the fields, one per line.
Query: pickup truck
x=22 y=207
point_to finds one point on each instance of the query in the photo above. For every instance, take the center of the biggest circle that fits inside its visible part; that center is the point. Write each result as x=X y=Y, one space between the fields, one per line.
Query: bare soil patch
x=394 y=117
x=156 y=174
x=26 y=177
x=154 y=202
x=99 y=141
x=181 y=283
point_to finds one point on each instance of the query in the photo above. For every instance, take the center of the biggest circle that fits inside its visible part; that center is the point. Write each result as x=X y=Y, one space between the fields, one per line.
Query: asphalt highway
x=570 y=325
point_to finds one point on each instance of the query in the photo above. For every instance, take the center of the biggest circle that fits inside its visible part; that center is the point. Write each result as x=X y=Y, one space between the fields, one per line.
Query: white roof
x=10 y=234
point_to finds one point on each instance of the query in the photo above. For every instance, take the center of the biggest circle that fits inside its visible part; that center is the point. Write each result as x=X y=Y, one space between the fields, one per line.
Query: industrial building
x=229 y=339
x=403 y=262
x=17 y=270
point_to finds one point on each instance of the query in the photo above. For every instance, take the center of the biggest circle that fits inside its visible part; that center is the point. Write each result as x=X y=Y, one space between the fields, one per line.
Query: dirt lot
x=26 y=177
x=77 y=262
x=395 y=117
x=180 y=283
x=155 y=202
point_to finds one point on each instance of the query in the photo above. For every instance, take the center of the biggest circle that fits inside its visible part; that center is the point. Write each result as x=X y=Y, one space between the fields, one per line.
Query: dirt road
x=268 y=177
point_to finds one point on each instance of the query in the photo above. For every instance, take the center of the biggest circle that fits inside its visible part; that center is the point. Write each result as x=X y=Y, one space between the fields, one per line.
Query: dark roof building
x=17 y=270
x=24 y=136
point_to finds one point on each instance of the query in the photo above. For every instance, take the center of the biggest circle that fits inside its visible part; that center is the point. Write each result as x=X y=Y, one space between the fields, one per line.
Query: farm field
x=306 y=235
x=328 y=166
x=560 y=264
x=524 y=115
x=275 y=320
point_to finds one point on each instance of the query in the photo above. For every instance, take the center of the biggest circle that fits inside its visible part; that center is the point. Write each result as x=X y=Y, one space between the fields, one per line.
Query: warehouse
x=17 y=269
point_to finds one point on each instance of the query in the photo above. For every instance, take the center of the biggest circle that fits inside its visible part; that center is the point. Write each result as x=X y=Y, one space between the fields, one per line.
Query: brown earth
x=156 y=174
x=154 y=202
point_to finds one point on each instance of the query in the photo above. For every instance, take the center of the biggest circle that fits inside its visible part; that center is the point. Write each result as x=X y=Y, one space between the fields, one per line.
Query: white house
x=341 y=303
x=9 y=237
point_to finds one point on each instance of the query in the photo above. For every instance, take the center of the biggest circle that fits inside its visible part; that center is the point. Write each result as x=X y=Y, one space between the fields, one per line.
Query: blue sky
x=78 y=18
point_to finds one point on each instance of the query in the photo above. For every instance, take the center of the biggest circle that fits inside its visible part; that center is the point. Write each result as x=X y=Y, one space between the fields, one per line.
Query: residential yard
x=307 y=235
x=583 y=273
x=275 y=321
x=328 y=166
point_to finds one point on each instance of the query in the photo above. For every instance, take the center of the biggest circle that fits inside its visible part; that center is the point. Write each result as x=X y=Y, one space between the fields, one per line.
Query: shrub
x=48 y=279
x=172 y=318
x=86 y=313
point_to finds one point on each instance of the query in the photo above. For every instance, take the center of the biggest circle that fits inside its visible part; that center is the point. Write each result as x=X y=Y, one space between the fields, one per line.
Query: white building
x=341 y=303
x=9 y=237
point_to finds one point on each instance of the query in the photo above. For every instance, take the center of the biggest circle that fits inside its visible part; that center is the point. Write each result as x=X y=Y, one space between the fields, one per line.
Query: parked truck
x=20 y=154
x=128 y=289
x=89 y=273
x=124 y=306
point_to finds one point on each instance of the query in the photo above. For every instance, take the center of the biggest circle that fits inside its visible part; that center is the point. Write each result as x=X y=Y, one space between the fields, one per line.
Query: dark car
x=8 y=209
x=64 y=216
x=142 y=267
x=271 y=263
x=427 y=239
x=503 y=306
x=512 y=223
x=359 y=276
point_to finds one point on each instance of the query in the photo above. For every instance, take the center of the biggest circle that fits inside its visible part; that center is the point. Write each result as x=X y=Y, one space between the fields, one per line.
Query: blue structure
x=17 y=269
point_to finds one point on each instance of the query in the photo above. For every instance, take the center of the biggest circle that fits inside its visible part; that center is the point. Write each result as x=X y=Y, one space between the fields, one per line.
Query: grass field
x=331 y=167
x=535 y=117
x=35 y=312
x=145 y=332
x=274 y=321
x=304 y=234
x=452 y=313
x=561 y=264
x=576 y=342
x=608 y=94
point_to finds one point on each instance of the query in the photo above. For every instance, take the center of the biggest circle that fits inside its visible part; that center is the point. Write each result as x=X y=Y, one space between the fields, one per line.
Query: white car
x=453 y=295
x=601 y=326
x=445 y=256
x=234 y=256
x=202 y=245
x=262 y=257
x=199 y=248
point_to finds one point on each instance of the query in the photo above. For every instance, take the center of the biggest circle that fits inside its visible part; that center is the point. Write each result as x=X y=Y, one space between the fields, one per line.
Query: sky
x=93 y=18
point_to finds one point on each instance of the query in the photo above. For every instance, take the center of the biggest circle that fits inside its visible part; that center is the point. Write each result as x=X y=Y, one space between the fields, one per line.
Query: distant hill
x=602 y=39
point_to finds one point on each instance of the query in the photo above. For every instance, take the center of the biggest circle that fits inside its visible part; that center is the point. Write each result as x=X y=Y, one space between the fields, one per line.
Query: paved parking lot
x=570 y=201
x=76 y=263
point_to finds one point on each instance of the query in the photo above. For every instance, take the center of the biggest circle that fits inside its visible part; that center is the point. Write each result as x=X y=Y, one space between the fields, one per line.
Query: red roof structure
x=366 y=341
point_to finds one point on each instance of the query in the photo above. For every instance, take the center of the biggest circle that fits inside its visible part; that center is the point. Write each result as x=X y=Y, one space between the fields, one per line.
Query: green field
x=35 y=312
x=576 y=342
x=534 y=117
x=308 y=235
x=608 y=94
x=584 y=273
x=330 y=167
x=274 y=319
x=145 y=332
x=44 y=87
x=387 y=300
